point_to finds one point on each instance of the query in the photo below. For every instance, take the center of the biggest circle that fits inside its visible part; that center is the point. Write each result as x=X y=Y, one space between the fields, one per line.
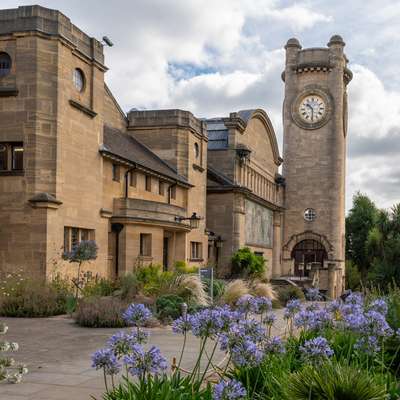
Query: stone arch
x=307 y=235
x=247 y=115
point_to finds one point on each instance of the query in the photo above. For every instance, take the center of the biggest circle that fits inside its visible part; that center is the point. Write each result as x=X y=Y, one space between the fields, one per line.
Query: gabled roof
x=123 y=146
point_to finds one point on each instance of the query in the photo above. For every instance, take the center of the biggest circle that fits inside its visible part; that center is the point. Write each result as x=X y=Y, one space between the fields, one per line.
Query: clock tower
x=314 y=152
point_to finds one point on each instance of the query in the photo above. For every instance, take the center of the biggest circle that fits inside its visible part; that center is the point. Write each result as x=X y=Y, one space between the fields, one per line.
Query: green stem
x=182 y=351
x=209 y=361
x=105 y=379
x=197 y=365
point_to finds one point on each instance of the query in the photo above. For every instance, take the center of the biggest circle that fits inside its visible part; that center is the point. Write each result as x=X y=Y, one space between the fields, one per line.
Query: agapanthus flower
x=246 y=353
x=229 y=390
x=312 y=320
x=105 y=358
x=378 y=305
x=334 y=306
x=137 y=315
x=206 y=323
x=274 y=345
x=368 y=344
x=313 y=294
x=182 y=324
x=316 y=350
x=269 y=319
x=354 y=298
x=140 y=362
x=263 y=305
x=292 y=307
x=376 y=324
x=121 y=342
x=247 y=304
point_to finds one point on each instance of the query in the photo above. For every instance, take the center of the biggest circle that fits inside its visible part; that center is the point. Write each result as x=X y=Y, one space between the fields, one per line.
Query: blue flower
x=105 y=358
x=121 y=342
x=230 y=390
x=263 y=305
x=292 y=307
x=182 y=325
x=313 y=294
x=247 y=304
x=269 y=319
x=316 y=350
x=140 y=362
x=379 y=305
x=207 y=323
x=316 y=319
x=246 y=353
x=137 y=315
x=274 y=345
x=368 y=344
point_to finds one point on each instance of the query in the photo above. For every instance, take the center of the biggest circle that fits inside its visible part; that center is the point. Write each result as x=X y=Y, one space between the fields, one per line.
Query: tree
x=361 y=220
x=86 y=250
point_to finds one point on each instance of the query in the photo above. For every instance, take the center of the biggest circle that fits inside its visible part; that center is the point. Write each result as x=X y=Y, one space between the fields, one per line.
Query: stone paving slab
x=57 y=352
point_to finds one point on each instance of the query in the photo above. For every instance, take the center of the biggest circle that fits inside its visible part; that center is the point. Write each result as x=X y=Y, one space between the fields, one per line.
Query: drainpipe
x=128 y=171
x=117 y=228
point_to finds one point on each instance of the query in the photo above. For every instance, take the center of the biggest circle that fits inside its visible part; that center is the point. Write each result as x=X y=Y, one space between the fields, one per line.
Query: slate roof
x=124 y=146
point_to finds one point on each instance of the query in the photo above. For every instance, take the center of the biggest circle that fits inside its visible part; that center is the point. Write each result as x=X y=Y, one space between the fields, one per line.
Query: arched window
x=5 y=64
x=196 y=150
x=79 y=80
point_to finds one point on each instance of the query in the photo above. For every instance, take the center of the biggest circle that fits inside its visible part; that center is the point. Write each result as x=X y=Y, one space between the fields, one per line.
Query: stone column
x=277 y=245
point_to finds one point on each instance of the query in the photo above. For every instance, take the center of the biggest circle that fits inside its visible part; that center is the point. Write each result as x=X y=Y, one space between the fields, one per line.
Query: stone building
x=161 y=186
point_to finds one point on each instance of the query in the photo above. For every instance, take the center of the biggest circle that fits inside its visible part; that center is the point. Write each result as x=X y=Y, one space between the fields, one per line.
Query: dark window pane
x=145 y=244
x=74 y=237
x=5 y=64
x=115 y=172
x=3 y=157
x=133 y=179
x=84 y=234
x=173 y=192
x=17 y=158
x=161 y=188
x=66 y=239
x=148 y=183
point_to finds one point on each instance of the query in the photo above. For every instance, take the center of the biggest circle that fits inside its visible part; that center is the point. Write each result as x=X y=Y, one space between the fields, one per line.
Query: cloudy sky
x=216 y=56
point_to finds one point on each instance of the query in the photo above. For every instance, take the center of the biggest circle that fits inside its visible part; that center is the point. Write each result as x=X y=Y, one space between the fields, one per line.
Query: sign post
x=208 y=273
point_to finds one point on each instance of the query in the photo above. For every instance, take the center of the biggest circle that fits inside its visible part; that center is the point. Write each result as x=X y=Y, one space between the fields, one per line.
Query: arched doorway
x=306 y=254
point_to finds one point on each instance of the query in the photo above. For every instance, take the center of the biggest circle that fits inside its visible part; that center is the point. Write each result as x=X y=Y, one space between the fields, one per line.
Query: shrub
x=191 y=289
x=128 y=286
x=182 y=268
x=234 y=291
x=100 y=312
x=218 y=287
x=99 y=287
x=289 y=292
x=246 y=263
x=262 y=289
x=28 y=297
x=169 y=307
x=334 y=382
x=154 y=281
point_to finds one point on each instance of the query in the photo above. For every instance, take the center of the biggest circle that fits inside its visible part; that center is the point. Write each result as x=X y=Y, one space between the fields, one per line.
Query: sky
x=213 y=57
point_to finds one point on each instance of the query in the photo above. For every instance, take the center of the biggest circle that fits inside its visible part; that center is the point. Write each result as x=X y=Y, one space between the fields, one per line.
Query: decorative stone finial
x=293 y=42
x=336 y=39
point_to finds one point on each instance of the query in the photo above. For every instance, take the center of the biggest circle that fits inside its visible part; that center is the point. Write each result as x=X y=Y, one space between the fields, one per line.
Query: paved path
x=58 y=352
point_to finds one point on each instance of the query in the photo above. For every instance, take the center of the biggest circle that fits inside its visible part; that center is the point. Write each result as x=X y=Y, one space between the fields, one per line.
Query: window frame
x=161 y=188
x=80 y=233
x=145 y=244
x=133 y=179
x=196 y=251
x=116 y=172
x=5 y=71
x=172 y=192
x=13 y=157
x=80 y=84
x=4 y=150
x=10 y=159
x=147 y=183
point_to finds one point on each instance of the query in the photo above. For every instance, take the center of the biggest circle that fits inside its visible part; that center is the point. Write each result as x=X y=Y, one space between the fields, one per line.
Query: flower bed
x=339 y=350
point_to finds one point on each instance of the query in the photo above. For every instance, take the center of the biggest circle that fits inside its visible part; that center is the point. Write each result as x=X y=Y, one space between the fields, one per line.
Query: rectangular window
x=115 y=173
x=173 y=192
x=148 y=183
x=17 y=157
x=145 y=244
x=11 y=156
x=133 y=179
x=72 y=236
x=196 y=250
x=161 y=189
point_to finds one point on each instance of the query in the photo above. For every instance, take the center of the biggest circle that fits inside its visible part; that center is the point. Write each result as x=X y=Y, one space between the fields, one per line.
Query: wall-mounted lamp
x=194 y=220
x=243 y=152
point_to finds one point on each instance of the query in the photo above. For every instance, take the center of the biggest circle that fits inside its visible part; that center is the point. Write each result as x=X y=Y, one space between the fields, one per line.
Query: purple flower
x=263 y=305
x=376 y=324
x=354 y=298
x=246 y=353
x=121 y=342
x=105 y=358
x=316 y=350
x=292 y=307
x=141 y=362
x=247 y=304
x=274 y=345
x=313 y=294
x=207 y=323
x=378 y=305
x=182 y=325
x=368 y=344
x=312 y=319
x=137 y=315
x=229 y=390
x=269 y=319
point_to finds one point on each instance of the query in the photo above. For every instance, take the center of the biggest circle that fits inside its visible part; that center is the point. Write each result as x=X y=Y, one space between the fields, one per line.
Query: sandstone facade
x=73 y=166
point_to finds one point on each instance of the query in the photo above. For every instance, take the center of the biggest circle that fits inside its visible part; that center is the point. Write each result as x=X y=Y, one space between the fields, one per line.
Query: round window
x=79 y=80
x=310 y=214
x=196 y=150
x=5 y=64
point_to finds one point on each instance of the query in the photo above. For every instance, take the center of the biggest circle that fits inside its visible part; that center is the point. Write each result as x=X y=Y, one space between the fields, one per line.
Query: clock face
x=312 y=108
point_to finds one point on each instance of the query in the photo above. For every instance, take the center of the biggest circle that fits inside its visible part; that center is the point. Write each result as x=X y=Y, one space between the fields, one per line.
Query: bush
x=353 y=276
x=289 y=292
x=246 y=263
x=100 y=312
x=262 y=289
x=28 y=297
x=234 y=291
x=191 y=289
x=128 y=286
x=169 y=307
x=182 y=268
x=218 y=287
x=99 y=287
x=334 y=382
